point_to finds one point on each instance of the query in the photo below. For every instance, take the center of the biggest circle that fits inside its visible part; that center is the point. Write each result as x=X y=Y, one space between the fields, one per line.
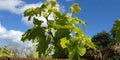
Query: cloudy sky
x=99 y=15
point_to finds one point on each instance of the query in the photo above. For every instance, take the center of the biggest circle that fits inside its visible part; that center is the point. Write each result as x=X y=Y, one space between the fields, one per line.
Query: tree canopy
x=116 y=30
x=102 y=39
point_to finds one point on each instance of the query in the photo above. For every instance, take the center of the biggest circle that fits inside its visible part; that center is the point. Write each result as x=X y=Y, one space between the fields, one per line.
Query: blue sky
x=99 y=15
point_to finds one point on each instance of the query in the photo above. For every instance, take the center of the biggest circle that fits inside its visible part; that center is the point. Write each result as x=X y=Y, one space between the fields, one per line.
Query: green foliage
x=4 y=51
x=72 y=46
x=29 y=12
x=75 y=8
x=102 y=39
x=116 y=30
x=114 y=58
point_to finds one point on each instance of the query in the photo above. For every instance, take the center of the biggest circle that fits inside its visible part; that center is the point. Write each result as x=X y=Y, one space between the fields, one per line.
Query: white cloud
x=13 y=37
x=28 y=23
x=53 y=31
x=26 y=6
x=51 y=17
x=11 y=5
x=19 y=6
x=9 y=35
x=2 y=30
x=61 y=8
x=16 y=6
x=42 y=19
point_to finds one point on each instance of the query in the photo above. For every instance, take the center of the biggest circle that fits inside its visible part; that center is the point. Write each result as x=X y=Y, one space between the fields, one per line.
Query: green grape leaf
x=29 y=18
x=4 y=51
x=53 y=3
x=42 y=45
x=37 y=11
x=61 y=39
x=33 y=33
x=35 y=53
x=29 y=12
x=46 y=5
x=89 y=43
x=61 y=33
x=77 y=30
x=63 y=42
x=54 y=10
x=81 y=50
x=37 y=22
x=75 y=8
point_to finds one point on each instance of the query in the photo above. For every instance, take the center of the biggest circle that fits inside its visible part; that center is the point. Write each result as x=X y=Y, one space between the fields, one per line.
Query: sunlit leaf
x=82 y=50
x=63 y=42
x=89 y=43
x=37 y=11
x=29 y=12
x=53 y=3
x=71 y=45
x=75 y=8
